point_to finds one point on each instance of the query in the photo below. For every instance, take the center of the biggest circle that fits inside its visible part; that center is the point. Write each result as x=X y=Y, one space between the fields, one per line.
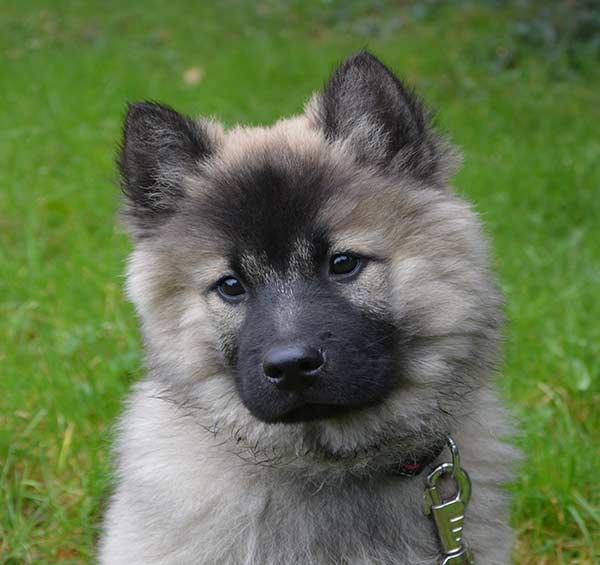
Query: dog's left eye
x=231 y=289
x=344 y=264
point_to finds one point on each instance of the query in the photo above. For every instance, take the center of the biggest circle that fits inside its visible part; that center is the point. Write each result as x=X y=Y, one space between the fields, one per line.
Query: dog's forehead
x=262 y=200
x=280 y=199
x=299 y=259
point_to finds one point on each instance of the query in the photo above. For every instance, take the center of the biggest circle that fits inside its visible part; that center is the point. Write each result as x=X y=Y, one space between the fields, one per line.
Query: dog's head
x=313 y=283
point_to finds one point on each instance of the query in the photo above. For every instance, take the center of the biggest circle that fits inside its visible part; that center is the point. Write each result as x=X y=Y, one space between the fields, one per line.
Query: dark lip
x=310 y=412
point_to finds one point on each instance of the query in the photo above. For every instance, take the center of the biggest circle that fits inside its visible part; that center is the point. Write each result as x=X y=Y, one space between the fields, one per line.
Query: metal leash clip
x=449 y=515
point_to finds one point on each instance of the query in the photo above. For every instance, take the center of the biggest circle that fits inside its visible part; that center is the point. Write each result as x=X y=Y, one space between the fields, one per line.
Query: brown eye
x=344 y=264
x=231 y=289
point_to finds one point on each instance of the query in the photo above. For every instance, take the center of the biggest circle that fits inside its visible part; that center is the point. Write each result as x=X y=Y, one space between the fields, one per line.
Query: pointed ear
x=384 y=122
x=160 y=146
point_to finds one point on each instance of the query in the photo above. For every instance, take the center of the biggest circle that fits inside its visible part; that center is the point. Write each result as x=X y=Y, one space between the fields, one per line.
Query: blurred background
x=516 y=84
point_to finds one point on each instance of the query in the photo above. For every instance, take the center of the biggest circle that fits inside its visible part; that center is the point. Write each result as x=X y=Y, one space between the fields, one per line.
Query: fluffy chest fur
x=182 y=499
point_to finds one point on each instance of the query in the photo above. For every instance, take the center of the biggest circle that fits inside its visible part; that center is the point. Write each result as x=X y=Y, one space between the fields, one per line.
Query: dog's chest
x=328 y=525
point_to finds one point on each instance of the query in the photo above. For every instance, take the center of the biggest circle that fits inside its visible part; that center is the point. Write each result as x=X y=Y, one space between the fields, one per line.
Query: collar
x=416 y=464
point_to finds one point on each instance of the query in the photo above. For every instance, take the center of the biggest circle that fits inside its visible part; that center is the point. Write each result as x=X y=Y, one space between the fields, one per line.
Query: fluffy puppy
x=318 y=310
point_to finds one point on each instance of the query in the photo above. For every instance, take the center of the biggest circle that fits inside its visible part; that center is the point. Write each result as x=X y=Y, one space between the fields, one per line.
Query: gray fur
x=202 y=481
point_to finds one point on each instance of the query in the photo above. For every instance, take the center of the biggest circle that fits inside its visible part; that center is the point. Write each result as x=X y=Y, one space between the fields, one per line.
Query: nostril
x=311 y=363
x=273 y=373
x=292 y=367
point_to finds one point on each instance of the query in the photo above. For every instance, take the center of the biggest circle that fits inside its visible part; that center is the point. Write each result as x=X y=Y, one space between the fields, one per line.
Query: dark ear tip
x=135 y=109
x=362 y=58
x=147 y=109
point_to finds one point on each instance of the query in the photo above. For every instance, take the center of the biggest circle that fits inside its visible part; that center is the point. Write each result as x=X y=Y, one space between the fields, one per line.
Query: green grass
x=70 y=348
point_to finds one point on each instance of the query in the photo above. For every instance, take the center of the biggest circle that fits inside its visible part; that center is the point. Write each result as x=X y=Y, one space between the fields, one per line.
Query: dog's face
x=315 y=282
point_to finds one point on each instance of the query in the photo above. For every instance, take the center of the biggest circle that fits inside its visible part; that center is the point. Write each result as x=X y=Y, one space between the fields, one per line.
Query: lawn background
x=522 y=103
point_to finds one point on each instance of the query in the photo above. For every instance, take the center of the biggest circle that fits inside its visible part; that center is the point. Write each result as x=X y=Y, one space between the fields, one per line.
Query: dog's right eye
x=344 y=265
x=231 y=289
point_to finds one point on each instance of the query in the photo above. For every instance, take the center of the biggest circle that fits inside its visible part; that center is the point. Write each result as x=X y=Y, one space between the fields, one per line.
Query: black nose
x=292 y=367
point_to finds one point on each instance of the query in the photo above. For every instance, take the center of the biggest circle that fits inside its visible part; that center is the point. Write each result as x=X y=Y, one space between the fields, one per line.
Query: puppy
x=318 y=313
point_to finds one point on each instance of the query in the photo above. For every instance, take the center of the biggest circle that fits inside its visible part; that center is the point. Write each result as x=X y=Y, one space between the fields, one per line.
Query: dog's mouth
x=310 y=412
